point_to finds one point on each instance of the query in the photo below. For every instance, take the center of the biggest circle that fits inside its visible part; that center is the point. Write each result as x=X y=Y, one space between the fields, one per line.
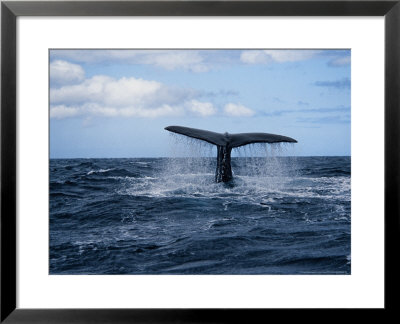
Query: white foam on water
x=99 y=171
x=264 y=174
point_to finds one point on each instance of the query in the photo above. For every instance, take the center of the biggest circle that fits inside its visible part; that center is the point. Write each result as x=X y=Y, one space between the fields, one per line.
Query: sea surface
x=280 y=215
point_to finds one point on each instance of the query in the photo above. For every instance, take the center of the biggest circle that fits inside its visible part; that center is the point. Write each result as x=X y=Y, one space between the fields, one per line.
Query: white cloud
x=106 y=96
x=128 y=97
x=93 y=109
x=107 y=90
x=254 y=57
x=171 y=60
x=279 y=56
x=237 y=110
x=202 y=108
x=63 y=111
x=191 y=60
x=340 y=61
x=62 y=72
x=291 y=55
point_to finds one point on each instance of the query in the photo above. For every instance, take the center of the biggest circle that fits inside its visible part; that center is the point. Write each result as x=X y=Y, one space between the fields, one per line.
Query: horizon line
x=183 y=157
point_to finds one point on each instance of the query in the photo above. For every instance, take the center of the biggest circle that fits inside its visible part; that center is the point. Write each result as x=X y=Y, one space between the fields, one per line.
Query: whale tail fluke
x=225 y=142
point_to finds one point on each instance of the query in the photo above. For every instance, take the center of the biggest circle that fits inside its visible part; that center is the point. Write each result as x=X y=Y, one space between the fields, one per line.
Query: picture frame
x=10 y=10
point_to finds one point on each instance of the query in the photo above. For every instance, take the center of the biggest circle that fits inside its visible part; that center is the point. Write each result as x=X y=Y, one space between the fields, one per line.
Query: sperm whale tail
x=225 y=143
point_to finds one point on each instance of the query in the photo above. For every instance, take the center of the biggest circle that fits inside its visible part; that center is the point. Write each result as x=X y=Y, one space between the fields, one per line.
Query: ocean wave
x=99 y=171
x=160 y=216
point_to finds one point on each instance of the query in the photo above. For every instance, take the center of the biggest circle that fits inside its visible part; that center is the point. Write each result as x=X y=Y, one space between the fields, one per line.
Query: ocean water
x=280 y=215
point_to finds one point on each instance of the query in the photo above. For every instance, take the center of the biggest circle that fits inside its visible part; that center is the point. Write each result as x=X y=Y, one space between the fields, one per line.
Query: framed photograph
x=193 y=161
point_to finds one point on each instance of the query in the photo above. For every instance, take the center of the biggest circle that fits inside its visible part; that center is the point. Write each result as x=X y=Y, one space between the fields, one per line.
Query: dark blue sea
x=280 y=215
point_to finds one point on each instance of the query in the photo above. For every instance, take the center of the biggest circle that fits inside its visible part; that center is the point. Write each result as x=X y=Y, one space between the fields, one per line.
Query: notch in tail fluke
x=226 y=142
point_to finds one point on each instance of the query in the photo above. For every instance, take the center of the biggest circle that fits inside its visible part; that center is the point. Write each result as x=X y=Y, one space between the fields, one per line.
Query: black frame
x=10 y=10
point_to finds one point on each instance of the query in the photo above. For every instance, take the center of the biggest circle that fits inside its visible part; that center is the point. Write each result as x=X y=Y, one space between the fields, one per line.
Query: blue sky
x=116 y=103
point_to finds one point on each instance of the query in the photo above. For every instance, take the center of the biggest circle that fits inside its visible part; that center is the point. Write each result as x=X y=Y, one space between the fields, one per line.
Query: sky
x=116 y=103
